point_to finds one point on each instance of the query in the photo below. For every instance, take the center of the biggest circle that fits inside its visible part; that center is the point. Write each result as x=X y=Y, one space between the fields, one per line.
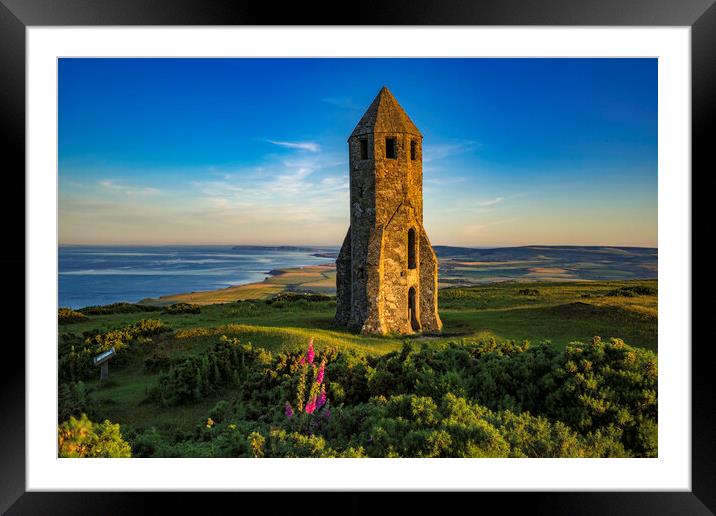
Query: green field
x=555 y=312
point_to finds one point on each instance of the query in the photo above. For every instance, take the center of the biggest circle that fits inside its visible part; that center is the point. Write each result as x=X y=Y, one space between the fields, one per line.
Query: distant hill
x=543 y=251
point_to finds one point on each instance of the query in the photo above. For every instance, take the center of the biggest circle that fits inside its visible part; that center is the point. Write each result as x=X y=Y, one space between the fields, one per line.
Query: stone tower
x=387 y=271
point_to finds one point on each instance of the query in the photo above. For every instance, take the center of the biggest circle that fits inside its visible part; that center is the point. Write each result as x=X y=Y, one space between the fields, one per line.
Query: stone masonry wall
x=374 y=279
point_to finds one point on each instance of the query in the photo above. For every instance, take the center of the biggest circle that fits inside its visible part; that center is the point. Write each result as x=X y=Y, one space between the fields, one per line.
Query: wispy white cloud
x=490 y=202
x=434 y=152
x=307 y=189
x=307 y=146
x=335 y=182
x=108 y=184
x=441 y=181
x=342 y=102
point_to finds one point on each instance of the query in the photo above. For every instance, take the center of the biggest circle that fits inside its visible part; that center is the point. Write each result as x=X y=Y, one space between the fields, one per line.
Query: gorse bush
x=291 y=297
x=182 y=308
x=528 y=292
x=69 y=316
x=118 y=308
x=482 y=399
x=633 y=291
x=222 y=366
x=74 y=358
x=82 y=438
x=74 y=399
x=75 y=352
x=607 y=385
x=121 y=338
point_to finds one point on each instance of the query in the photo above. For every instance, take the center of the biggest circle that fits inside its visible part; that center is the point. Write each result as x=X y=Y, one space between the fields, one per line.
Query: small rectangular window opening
x=391 y=151
x=364 y=149
x=413 y=149
x=411 y=249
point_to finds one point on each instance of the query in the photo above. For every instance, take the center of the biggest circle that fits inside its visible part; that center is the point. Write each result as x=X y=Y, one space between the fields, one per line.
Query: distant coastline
x=459 y=266
x=96 y=275
x=99 y=275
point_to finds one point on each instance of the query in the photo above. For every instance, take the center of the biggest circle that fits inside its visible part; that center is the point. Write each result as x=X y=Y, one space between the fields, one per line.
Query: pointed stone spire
x=385 y=115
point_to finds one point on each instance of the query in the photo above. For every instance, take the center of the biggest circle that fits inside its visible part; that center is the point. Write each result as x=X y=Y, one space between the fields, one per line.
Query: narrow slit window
x=364 y=149
x=412 y=310
x=411 y=249
x=391 y=151
x=413 y=150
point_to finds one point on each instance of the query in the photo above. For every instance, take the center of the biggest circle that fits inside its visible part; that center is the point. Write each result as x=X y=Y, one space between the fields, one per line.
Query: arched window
x=412 y=310
x=411 y=249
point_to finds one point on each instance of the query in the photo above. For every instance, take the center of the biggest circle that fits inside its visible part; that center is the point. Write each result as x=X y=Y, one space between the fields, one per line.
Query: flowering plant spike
x=310 y=393
x=310 y=354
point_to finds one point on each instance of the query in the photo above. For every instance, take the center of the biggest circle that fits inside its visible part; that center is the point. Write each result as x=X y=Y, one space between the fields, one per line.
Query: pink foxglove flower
x=310 y=354
x=288 y=410
x=321 y=370
x=311 y=406
x=322 y=398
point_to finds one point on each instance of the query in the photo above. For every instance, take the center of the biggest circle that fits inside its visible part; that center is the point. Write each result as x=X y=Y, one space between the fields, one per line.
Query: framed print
x=450 y=250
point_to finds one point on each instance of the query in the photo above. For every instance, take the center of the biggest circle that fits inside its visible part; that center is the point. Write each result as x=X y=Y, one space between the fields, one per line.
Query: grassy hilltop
x=559 y=312
x=141 y=394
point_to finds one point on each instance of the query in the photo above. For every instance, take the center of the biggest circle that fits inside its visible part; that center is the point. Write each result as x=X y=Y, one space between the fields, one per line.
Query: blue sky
x=253 y=151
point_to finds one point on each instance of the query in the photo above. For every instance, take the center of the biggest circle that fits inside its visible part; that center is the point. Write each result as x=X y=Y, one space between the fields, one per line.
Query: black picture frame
x=17 y=15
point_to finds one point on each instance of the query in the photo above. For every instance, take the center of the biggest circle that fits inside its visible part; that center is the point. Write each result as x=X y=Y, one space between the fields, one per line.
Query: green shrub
x=69 y=316
x=75 y=353
x=292 y=297
x=83 y=438
x=182 y=308
x=528 y=292
x=459 y=399
x=121 y=338
x=118 y=308
x=604 y=384
x=156 y=362
x=74 y=399
x=195 y=377
x=148 y=444
x=633 y=291
x=74 y=359
x=481 y=399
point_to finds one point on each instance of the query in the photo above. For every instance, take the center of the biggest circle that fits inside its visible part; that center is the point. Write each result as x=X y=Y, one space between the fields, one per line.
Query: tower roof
x=385 y=115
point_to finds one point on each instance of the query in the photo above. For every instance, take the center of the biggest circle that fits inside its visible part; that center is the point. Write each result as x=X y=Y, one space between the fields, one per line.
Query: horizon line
x=339 y=245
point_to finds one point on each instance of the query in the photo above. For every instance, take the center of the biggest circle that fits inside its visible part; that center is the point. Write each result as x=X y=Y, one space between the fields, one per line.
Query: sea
x=99 y=275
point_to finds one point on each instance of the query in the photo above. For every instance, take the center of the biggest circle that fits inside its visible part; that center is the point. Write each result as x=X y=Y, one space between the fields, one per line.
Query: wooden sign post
x=102 y=360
